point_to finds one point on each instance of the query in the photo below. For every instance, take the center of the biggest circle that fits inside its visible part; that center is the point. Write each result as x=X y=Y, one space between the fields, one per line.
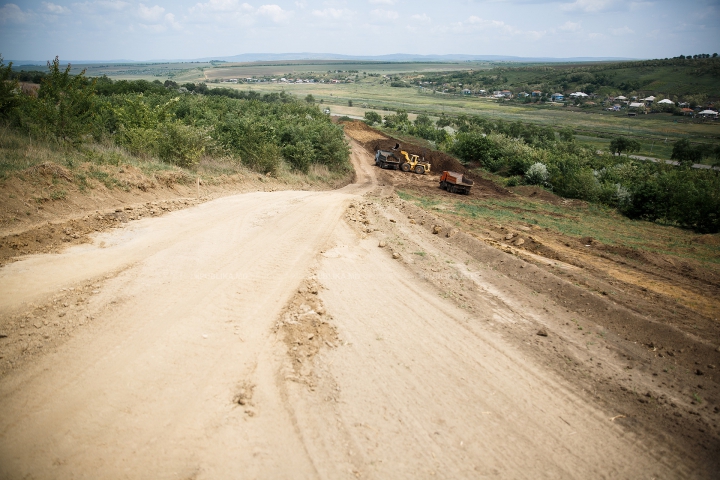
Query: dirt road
x=266 y=335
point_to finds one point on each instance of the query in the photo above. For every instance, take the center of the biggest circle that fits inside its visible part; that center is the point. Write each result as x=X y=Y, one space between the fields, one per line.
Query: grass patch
x=577 y=220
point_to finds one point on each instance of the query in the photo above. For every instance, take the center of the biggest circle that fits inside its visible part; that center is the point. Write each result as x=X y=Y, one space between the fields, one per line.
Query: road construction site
x=346 y=334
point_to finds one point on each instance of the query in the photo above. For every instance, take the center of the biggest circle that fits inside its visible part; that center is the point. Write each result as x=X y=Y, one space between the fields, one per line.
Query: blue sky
x=152 y=29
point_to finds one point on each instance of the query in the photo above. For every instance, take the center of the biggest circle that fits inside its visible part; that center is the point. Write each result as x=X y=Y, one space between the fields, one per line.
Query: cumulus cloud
x=56 y=9
x=382 y=14
x=170 y=20
x=478 y=24
x=274 y=13
x=571 y=27
x=588 y=6
x=150 y=14
x=382 y=2
x=333 y=13
x=618 y=32
x=11 y=13
x=213 y=6
x=420 y=18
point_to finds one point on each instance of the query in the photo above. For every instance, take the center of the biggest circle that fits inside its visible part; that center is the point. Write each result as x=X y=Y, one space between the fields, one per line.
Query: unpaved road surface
x=266 y=335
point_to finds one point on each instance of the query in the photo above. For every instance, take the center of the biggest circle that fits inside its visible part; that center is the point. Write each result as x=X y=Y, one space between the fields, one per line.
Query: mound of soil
x=373 y=140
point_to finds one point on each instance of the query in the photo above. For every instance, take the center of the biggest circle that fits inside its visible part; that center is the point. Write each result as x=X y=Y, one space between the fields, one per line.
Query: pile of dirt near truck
x=460 y=181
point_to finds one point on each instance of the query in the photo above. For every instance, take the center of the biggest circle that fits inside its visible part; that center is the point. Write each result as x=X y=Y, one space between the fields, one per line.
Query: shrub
x=537 y=174
x=371 y=118
x=182 y=145
x=64 y=106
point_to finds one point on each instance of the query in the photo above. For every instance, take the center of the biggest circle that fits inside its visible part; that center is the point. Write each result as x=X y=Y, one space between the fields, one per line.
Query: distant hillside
x=671 y=77
x=402 y=57
x=396 y=57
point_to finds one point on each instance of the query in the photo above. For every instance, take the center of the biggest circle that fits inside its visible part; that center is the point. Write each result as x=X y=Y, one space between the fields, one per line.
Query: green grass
x=576 y=220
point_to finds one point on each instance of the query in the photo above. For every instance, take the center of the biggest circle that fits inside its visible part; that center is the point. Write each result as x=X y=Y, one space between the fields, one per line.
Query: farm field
x=370 y=90
x=651 y=130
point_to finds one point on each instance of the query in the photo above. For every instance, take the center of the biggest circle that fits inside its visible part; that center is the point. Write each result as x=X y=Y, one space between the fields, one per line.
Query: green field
x=656 y=132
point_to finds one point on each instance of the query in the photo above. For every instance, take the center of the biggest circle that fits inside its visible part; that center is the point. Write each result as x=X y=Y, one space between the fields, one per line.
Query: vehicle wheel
x=453 y=189
x=405 y=167
x=419 y=169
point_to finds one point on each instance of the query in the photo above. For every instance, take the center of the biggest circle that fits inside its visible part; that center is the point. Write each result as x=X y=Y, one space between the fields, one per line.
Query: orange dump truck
x=455 y=182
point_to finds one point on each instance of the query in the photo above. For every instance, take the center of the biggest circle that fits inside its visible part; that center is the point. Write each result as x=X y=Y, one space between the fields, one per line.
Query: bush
x=64 y=106
x=182 y=145
x=537 y=174
x=371 y=118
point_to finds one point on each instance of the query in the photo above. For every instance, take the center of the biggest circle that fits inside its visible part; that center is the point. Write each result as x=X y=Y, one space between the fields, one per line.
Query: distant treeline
x=691 y=75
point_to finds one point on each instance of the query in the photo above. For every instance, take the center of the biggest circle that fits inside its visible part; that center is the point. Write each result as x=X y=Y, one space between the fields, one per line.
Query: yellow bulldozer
x=412 y=162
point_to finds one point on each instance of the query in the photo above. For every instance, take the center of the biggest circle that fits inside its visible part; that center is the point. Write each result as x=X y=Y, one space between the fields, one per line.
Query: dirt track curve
x=264 y=335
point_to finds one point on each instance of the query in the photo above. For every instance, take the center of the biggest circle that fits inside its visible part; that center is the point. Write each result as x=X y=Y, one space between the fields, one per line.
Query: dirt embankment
x=47 y=207
x=373 y=140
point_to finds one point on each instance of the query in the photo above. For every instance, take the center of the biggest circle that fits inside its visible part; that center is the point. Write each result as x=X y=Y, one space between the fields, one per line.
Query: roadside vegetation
x=525 y=154
x=164 y=126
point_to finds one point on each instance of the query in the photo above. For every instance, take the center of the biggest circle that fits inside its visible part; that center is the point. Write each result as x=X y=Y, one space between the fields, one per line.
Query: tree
x=64 y=106
x=685 y=153
x=349 y=103
x=8 y=89
x=567 y=134
x=310 y=98
x=621 y=144
x=443 y=122
x=371 y=117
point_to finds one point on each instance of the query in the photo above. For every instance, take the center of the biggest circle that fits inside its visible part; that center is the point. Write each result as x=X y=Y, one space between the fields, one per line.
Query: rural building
x=688 y=111
x=709 y=114
x=536 y=93
x=523 y=95
x=467 y=92
x=557 y=97
x=666 y=101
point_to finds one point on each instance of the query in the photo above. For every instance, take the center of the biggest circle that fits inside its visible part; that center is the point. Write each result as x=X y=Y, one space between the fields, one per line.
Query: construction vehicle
x=455 y=182
x=413 y=163
x=386 y=159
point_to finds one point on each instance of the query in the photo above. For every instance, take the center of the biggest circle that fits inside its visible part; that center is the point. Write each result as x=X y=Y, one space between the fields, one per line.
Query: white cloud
x=11 y=13
x=274 y=12
x=571 y=27
x=384 y=15
x=227 y=6
x=56 y=9
x=637 y=6
x=588 y=6
x=477 y=24
x=301 y=4
x=622 y=31
x=100 y=6
x=150 y=14
x=170 y=20
x=420 y=18
x=333 y=13
x=382 y=2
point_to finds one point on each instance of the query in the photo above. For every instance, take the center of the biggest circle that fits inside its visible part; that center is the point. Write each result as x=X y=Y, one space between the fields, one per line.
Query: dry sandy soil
x=341 y=334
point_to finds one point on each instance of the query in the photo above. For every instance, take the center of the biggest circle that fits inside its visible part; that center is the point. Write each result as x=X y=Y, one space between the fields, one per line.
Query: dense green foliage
x=178 y=124
x=682 y=76
x=533 y=155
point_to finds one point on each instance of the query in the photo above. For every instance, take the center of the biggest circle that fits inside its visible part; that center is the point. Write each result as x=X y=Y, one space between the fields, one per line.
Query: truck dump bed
x=455 y=182
x=386 y=159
